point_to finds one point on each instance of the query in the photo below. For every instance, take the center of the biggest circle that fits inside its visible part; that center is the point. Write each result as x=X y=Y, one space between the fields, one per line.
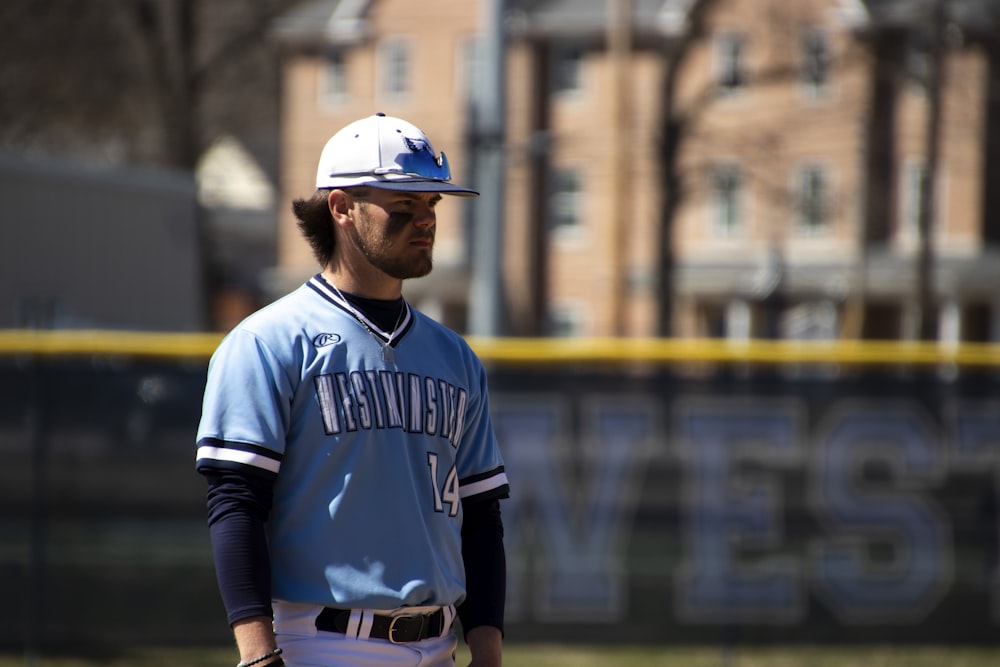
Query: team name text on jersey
x=382 y=399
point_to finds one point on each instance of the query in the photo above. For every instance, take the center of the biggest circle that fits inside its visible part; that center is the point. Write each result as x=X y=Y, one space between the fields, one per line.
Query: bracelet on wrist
x=270 y=654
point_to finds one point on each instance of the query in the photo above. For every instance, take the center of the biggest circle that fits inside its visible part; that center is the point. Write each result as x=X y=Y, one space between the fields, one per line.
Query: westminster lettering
x=367 y=400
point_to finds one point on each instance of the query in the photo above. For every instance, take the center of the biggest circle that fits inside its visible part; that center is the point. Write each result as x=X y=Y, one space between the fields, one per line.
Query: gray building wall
x=85 y=248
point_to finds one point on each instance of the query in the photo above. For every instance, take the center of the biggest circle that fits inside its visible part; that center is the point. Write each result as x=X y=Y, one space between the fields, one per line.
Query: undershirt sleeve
x=238 y=507
x=485 y=565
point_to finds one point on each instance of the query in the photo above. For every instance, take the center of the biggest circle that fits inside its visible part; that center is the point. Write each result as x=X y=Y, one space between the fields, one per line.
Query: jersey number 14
x=447 y=493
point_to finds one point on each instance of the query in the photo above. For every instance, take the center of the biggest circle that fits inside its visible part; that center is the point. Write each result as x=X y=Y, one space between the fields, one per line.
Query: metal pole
x=489 y=100
x=925 y=260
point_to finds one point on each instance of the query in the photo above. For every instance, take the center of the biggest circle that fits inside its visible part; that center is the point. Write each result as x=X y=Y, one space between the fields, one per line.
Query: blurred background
x=730 y=179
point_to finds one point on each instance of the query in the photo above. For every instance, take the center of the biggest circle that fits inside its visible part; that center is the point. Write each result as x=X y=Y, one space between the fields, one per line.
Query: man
x=353 y=474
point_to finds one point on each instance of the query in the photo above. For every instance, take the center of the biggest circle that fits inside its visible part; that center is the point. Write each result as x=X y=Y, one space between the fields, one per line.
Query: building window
x=567 y=70
x=565 y=320
x=469 y=64
x=812 y=197
x=914 y=181
x=727 y=187
x=566 y=201
x=815 y=63
x=918 y=60
x=731 y=56
x=394 y=67
x=738 y=320
x=333 y=79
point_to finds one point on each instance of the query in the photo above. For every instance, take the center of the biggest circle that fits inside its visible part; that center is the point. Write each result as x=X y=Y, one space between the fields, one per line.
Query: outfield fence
x=687 y=491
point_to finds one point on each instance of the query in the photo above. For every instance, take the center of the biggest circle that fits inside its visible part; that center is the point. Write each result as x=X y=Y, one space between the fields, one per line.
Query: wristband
x=270 y=654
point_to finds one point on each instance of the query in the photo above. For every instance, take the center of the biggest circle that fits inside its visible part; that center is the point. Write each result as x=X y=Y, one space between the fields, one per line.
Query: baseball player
x=353 y=474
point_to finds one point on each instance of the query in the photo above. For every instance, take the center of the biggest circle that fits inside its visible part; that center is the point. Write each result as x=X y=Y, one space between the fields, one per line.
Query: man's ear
x=341 y=205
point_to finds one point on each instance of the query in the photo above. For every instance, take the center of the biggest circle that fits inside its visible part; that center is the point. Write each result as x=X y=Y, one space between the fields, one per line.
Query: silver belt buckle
x=392 y=626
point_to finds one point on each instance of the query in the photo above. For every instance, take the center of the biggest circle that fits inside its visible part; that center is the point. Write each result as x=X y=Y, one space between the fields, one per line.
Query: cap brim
x=399 y=185
x=424 y=186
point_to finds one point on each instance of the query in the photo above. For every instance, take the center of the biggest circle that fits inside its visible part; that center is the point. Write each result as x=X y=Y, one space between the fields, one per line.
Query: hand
x=485 y=645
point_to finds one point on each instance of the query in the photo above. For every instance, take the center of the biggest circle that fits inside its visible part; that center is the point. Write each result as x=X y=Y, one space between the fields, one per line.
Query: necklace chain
x=387 y=352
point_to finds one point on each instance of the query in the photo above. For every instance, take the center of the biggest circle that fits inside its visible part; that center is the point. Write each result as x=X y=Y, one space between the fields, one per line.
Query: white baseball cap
x=385 y=152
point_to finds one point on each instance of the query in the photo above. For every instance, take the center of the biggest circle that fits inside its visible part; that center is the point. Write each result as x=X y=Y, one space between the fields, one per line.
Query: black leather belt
x=398 y=629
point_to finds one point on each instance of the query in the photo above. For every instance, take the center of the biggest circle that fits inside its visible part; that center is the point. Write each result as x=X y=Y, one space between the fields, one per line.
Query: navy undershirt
x=383 y=312
x=239 y=504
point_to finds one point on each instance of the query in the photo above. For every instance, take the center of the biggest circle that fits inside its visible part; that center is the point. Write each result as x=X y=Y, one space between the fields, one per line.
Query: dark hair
x=316 y=225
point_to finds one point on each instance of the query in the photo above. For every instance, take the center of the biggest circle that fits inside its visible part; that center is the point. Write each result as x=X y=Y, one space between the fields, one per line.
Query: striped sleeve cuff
x=489 y=484
x=215 y=454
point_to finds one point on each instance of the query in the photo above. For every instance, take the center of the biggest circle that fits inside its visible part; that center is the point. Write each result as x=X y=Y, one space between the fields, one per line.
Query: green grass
x=567 y=655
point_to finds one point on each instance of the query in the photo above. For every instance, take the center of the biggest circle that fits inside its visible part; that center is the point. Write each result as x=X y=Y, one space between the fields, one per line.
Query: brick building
x=716 y=167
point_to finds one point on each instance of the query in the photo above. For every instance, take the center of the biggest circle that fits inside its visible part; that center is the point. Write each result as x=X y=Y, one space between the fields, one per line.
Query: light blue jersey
x=373 y=453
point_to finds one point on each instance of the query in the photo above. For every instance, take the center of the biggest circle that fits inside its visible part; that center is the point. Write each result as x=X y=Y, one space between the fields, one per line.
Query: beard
x=387 y=248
